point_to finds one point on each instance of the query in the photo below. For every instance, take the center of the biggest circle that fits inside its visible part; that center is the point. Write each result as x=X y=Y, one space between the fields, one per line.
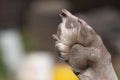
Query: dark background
x=37 y=20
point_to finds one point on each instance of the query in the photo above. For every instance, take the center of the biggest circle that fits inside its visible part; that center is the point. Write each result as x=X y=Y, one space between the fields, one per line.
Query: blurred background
x=27 y=49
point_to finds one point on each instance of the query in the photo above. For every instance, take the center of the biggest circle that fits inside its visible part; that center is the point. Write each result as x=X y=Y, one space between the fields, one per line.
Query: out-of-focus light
x=36 y=66
x=12 y=48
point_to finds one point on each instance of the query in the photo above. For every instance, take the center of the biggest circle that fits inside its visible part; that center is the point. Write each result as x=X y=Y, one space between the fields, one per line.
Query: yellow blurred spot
x=63 y=72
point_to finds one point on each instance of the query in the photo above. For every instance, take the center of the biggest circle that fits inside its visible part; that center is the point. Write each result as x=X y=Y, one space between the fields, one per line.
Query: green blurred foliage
x=117 y=69
x=3 y=70
x=26 y=42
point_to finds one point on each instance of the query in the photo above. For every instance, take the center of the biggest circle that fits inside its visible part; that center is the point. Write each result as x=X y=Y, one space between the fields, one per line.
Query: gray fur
x=83 y=49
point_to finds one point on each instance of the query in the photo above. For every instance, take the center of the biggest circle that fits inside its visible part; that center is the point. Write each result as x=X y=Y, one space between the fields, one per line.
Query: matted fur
x=83 y=49
x=72 y=30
